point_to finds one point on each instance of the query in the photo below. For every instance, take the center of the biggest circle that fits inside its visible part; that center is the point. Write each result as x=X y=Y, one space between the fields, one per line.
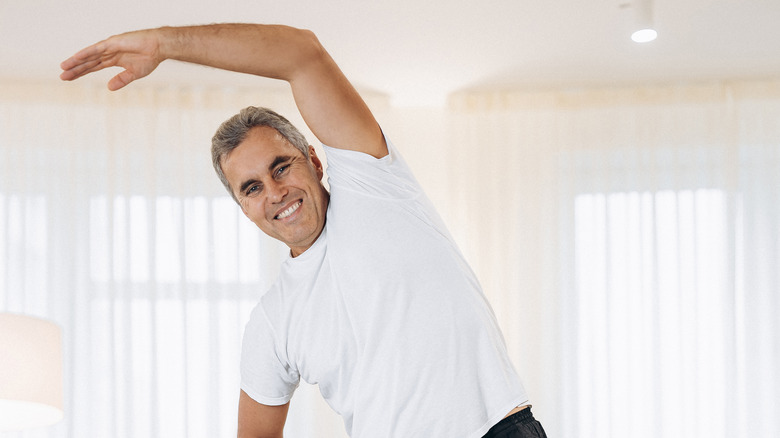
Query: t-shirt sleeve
x=266 y=375
x=386 y=177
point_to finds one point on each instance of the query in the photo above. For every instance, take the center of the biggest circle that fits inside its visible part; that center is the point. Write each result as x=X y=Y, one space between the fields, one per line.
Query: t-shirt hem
x=269 y=401
x=520 y=401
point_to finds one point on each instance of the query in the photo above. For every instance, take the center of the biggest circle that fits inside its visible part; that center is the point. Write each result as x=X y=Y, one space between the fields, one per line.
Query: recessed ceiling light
x=644 y=35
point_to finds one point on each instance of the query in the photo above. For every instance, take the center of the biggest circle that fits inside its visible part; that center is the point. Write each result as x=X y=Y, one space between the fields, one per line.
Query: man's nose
x=275 y=192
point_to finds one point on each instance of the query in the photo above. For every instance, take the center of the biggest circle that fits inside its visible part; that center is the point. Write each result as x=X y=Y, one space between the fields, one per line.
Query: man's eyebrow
x=277 y=161
x=246 y=184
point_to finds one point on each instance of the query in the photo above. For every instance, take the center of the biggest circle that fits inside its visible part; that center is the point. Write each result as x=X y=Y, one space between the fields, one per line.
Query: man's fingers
x=90 y=53
x=71 y=64
x=121 y=80
x=82 y=69
x=85 y=61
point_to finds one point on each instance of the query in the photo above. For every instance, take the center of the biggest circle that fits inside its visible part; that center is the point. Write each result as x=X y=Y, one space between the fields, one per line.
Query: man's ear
x=315 y=162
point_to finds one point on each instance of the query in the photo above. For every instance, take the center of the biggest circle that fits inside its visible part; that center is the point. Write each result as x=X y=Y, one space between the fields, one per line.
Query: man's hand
x=137 y=52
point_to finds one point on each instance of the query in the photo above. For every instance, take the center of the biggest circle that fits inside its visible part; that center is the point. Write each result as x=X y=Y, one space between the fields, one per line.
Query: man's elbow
x=311 y=48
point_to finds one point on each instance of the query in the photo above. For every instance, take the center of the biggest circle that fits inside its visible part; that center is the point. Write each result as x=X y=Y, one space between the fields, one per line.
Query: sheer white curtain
x=113 y=224
x=630 y=240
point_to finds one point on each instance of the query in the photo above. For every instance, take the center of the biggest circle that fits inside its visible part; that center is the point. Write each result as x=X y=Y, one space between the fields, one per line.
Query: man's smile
x=289 y=210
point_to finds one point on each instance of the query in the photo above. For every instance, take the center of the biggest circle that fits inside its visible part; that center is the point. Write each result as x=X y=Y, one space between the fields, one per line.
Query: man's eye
x=255 y=188
x=282 y=169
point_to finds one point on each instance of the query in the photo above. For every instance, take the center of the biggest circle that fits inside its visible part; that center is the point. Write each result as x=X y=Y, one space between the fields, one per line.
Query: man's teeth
x=289 y=211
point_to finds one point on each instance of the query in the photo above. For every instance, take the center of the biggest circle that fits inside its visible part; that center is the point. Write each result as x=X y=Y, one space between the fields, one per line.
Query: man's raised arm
x=329 y=104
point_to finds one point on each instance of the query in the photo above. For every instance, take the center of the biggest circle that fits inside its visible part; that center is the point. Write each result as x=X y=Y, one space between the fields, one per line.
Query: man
x=375 y=304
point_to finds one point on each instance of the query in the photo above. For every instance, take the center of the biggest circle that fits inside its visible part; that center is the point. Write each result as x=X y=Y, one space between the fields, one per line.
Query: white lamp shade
x=644 y=29
x=30 y=372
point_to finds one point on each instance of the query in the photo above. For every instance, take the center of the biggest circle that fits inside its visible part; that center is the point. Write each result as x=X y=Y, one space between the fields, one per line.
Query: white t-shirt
x=384 y=314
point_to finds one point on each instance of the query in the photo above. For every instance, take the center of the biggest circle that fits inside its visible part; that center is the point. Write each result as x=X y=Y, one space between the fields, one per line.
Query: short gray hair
x=235 y=129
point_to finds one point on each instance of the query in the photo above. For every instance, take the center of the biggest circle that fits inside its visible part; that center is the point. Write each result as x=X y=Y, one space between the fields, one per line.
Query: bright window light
x=652 y=301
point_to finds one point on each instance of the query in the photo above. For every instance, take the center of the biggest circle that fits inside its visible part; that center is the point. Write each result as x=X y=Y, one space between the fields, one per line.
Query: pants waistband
x=520 y=417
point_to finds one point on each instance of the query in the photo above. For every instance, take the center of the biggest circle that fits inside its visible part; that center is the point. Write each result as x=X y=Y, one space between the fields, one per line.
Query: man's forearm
x=272 y=51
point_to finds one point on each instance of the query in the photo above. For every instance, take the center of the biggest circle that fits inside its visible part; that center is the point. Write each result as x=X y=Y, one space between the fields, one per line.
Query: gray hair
x=235 y=129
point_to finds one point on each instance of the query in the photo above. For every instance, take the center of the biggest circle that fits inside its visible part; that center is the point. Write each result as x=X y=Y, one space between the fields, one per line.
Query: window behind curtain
x=654 y=309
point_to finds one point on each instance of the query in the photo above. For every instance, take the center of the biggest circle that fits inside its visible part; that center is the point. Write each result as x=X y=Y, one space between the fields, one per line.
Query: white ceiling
x=418 y=51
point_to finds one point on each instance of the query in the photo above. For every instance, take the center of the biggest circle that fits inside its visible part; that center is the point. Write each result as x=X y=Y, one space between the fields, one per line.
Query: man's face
x=278 y=188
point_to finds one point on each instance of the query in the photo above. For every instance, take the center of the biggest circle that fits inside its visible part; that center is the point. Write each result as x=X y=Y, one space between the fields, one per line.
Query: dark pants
x=518 y=425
